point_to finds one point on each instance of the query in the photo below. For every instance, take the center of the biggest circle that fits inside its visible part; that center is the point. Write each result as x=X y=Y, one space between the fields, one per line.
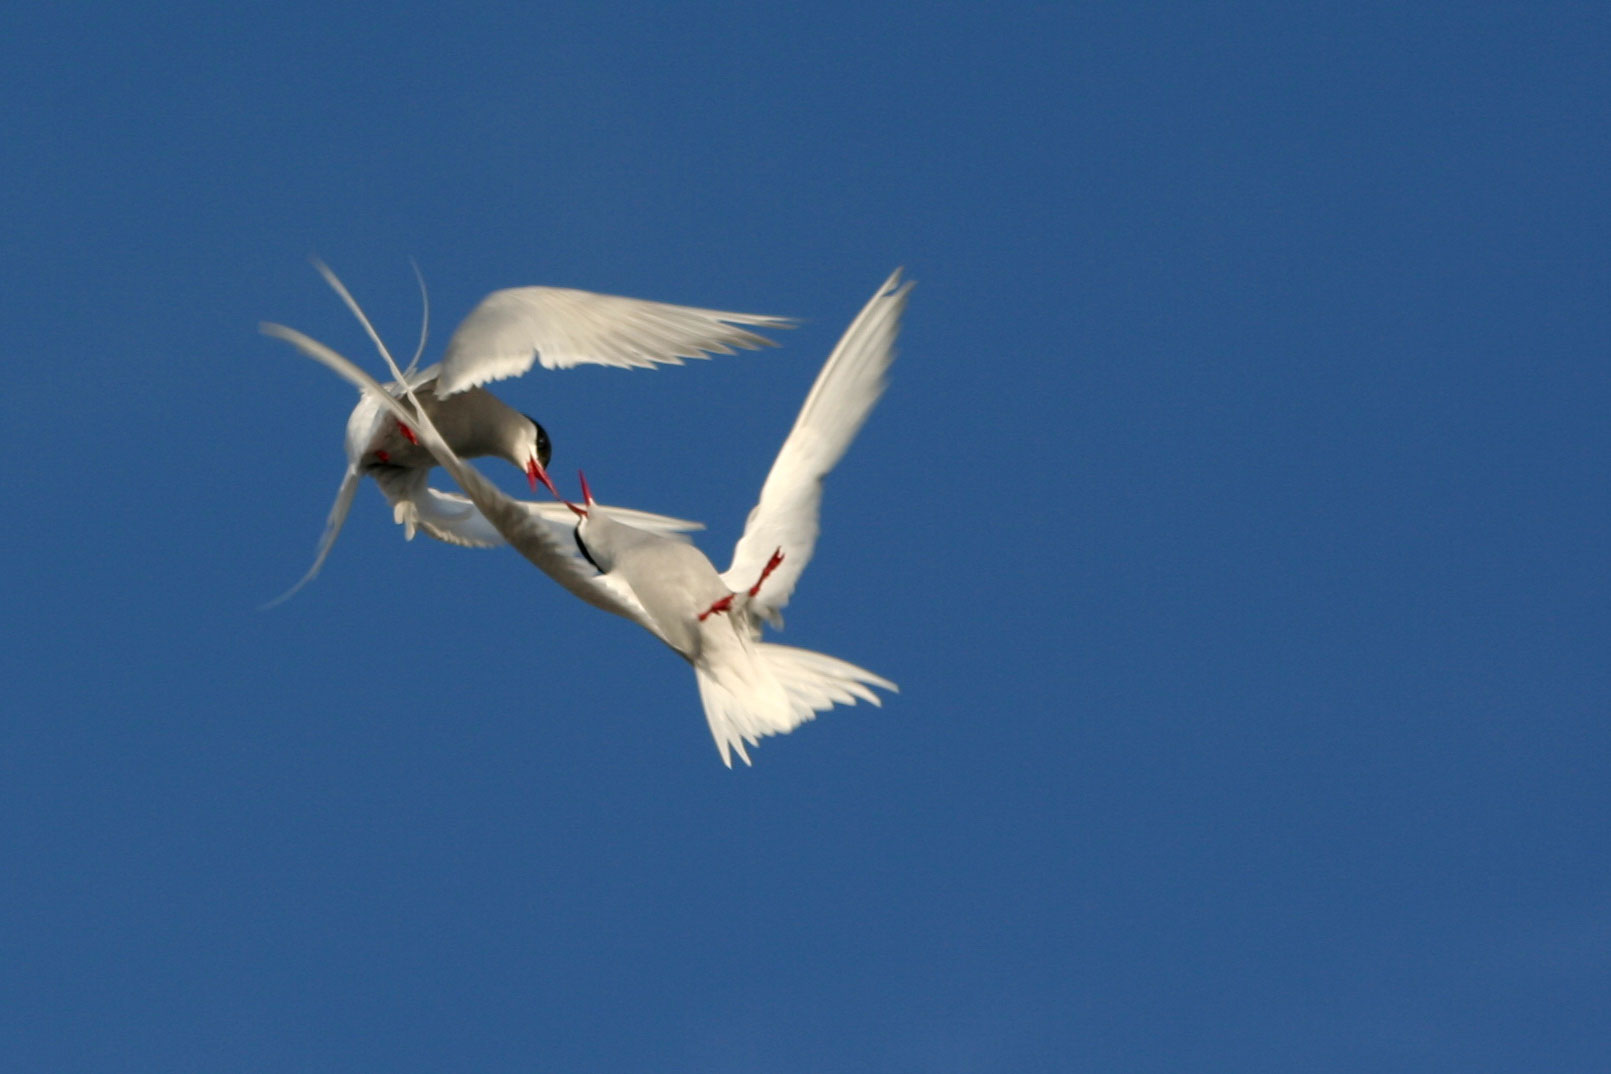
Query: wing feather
x=528 y=534
x=561 y=327
x=787 y=515
x=332 y=529
x=451 y=517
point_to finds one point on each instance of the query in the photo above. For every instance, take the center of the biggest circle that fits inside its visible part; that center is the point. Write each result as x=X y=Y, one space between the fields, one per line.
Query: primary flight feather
x=503 y=336
x=749 y=688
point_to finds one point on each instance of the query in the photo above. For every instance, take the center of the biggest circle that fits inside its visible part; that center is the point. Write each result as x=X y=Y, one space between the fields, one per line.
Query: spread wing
x=561 y=327
x=451 y=517
x=786 y=517
x=529 y=535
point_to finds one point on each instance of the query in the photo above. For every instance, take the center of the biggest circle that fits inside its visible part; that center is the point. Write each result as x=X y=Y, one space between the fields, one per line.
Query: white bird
x=503 y=336
x=749 y=688
x=475 y=423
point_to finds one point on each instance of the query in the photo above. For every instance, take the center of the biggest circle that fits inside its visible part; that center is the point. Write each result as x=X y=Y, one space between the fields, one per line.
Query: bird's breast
x=675 y=583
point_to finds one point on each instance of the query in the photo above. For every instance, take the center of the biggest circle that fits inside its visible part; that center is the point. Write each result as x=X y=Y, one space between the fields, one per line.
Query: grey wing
x=451 y=517
x=660 y=525
x=787 y=516
x=332 y=529
x=530 y=537
x=561 y=327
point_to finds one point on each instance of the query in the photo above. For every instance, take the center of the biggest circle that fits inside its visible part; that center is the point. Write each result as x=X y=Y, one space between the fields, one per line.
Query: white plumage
x=502 y=337
x=561 y=327
x=749 y=688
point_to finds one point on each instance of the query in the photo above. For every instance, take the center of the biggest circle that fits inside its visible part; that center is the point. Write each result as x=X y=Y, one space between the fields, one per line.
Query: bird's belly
x=389 y=447
x=674 y=583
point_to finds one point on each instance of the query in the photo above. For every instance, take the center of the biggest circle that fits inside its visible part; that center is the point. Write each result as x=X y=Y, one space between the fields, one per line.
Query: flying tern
x=506 y=333
x=749 y=688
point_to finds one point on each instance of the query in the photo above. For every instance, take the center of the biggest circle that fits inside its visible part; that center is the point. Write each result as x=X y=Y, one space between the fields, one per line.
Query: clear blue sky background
x=1236 y=528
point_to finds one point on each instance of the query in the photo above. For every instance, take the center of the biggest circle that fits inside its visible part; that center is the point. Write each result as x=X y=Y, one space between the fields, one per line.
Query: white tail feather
x=332 y=528
x=745 y=707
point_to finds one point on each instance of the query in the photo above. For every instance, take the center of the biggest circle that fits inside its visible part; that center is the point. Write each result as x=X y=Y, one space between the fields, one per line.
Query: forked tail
x=795 y=685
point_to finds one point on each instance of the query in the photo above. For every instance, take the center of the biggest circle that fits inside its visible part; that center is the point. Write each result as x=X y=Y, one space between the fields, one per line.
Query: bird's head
x=536 y=450
x=536 y=472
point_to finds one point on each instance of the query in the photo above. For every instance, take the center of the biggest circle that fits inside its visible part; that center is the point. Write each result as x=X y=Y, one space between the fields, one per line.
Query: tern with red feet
x=749 y=688
x=506 y=334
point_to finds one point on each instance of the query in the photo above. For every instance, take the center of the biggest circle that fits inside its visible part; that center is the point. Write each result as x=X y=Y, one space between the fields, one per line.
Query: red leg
x=718 y=606
x=771 y=565
x=726 y=603
x=408 y=433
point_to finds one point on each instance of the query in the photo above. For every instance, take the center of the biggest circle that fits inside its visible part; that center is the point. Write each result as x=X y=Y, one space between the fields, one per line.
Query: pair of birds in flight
x=635 y=564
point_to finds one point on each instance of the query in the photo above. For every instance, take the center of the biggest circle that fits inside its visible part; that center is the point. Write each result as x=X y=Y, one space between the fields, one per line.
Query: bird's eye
x=545 y=448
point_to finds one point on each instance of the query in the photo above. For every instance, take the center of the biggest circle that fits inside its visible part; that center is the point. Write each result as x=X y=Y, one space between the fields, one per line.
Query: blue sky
x=1235 y=527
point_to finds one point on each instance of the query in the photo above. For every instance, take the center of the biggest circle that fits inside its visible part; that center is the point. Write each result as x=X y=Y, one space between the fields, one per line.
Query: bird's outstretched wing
x=529 y=535
x=451 y=517
x=561 y=327
x=786 y=517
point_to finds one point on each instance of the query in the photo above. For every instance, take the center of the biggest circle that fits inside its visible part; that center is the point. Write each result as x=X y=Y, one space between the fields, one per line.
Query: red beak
x=536 y=473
